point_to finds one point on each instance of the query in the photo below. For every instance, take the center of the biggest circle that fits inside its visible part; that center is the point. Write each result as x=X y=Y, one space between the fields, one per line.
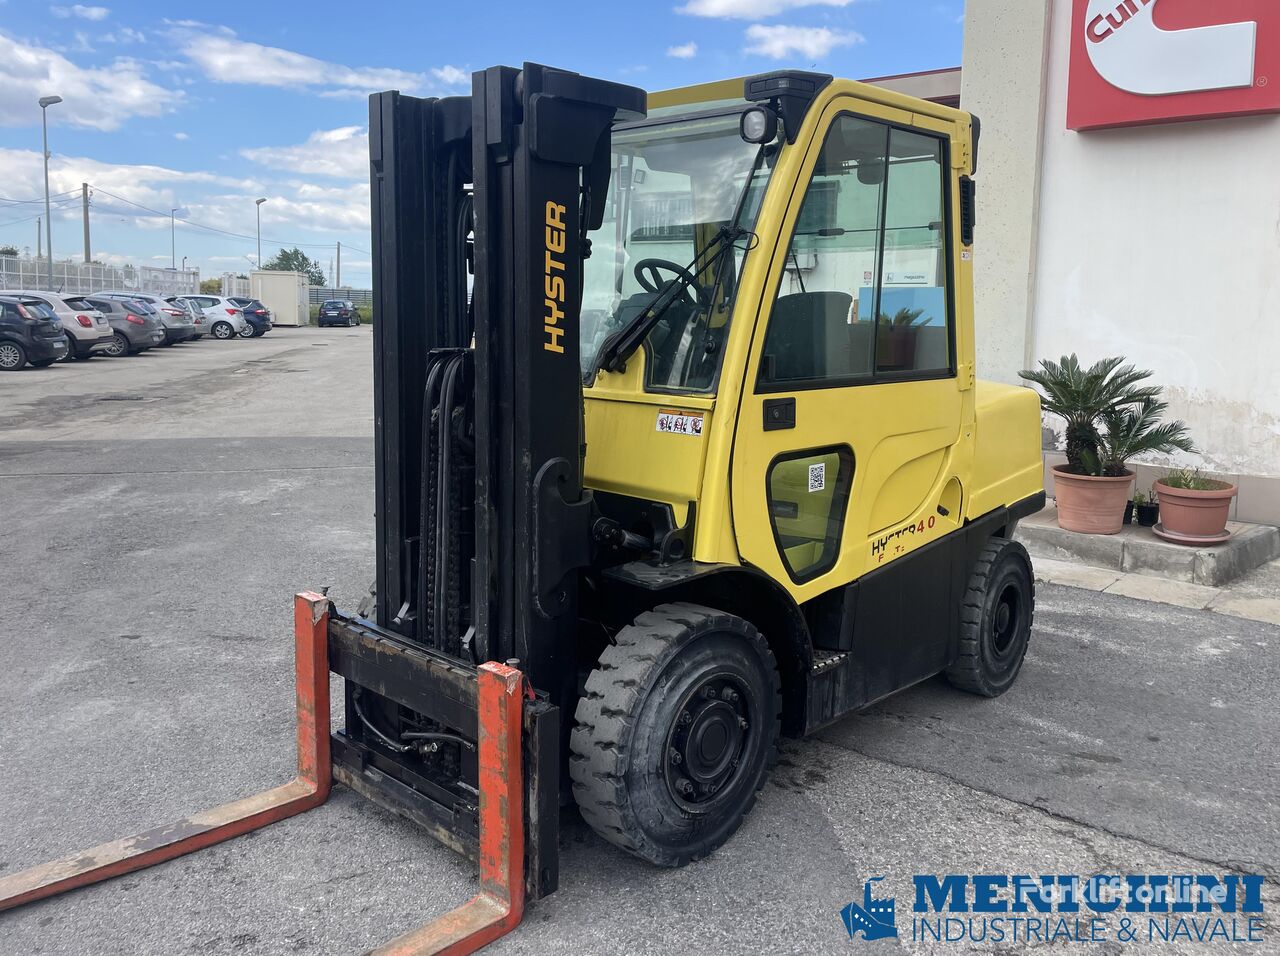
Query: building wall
x=1159 y=243
x=1005 y=53
x=1162 y=243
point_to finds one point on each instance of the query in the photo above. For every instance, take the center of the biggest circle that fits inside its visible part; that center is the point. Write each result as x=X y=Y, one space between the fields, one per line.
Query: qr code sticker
x=818 y=476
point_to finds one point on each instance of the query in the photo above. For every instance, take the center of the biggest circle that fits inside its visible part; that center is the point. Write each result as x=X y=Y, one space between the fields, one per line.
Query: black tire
x=995 y=620
x=43 y=363
x=682 y=679
x=12 y=356
x=223 y=331
x=247 y=332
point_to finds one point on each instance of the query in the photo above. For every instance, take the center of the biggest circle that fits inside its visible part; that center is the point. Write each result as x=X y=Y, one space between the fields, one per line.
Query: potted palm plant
x=1108 y=416
x=1194 y=509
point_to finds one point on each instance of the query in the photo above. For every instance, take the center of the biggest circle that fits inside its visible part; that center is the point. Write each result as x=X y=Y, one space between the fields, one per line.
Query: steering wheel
x=648 y=274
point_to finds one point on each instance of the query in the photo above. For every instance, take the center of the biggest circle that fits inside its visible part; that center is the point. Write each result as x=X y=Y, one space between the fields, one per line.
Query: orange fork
x=494 y=911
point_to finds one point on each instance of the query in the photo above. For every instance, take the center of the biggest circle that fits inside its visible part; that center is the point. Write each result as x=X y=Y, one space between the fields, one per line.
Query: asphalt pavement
x=156 y=516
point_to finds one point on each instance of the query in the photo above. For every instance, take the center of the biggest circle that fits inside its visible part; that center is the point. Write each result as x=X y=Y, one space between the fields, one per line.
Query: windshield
x=673 y=187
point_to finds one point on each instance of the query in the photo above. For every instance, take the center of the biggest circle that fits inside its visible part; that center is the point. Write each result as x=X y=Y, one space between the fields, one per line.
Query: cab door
x=851 y=408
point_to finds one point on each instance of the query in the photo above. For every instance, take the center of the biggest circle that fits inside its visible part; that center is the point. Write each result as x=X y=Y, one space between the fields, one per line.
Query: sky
x=269 y=99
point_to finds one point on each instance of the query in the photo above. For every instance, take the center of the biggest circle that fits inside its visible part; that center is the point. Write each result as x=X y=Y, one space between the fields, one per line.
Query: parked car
x=134 y=329
x=224 y=318
x=193 y=310
x=338 y=312
x=88 y=333
x=177 y=323
x=257 y=315
x=29 y=332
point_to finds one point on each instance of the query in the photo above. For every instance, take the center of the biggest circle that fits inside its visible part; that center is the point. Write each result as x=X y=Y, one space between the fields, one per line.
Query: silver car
x=225 y=319
x=178 y=324
x=193 y=310
x=87 y=330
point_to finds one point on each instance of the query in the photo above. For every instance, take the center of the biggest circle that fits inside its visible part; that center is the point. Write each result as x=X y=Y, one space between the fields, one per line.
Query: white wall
x=1002 y=83
x=1162 y=243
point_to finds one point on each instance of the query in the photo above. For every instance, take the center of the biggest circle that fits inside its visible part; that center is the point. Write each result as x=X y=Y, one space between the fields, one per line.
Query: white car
x=223 y=318
x=87 y=329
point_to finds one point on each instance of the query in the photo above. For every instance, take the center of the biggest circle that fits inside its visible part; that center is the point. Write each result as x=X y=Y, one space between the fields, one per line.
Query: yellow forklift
x=679 y=448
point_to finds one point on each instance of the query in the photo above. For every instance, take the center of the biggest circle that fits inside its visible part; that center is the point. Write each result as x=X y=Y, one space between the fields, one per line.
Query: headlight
x=758 y=124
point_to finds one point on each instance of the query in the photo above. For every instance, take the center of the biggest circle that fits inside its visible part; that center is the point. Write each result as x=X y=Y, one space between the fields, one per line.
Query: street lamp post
x=258 y=203
x=45 y=103
x=173 y=239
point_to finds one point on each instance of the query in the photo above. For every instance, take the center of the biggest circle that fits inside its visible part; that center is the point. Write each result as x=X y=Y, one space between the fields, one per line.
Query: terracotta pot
x=1090 y=505
x=1199 y=514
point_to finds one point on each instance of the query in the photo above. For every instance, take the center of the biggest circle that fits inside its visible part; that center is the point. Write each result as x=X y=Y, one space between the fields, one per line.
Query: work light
x=758 y=124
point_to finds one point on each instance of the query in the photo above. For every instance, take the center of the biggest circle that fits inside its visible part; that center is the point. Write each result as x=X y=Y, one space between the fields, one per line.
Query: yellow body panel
x=927 y=454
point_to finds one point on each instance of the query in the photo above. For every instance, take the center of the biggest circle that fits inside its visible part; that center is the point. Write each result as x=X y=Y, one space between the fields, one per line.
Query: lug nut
x=685 y=787
x=708 y=692
x=742 y=722
x=675 y=757
x=686 y=718
x=730 y=695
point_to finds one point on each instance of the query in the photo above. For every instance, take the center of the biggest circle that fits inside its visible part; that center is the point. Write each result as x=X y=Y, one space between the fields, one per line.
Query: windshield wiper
x=619 y=346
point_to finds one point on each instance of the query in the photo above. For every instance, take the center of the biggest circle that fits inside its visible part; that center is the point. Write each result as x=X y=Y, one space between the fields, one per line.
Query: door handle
x=779 y=413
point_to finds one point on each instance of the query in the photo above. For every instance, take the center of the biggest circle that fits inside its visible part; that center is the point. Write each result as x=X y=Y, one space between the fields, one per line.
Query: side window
x=863 y=294
x=808 y=494
x=822 y=323
x=912 y=333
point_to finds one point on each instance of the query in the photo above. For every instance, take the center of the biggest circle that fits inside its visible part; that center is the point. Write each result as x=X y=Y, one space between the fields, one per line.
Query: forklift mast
x=482 y=520
x=481 y=514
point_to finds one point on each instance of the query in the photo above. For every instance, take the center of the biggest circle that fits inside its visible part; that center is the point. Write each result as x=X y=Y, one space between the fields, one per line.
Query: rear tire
x=246 y=332
x=223 y=330
x=676 y=732
x=12 y=356
x=995 y=620
x=119 y=345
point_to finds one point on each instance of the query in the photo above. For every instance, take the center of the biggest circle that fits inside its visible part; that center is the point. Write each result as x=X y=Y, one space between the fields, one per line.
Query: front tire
x=223 y=330
x=995 y=620
x=246 y=332
x=676 y=732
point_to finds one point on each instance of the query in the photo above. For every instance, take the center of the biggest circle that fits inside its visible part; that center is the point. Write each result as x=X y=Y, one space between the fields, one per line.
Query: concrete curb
x=1145 y=588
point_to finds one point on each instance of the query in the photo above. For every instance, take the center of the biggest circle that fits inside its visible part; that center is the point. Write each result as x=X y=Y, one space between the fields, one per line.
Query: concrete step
x=1138 y=550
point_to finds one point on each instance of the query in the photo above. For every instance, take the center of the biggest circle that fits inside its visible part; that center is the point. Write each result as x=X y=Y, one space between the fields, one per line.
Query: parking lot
x=158 y=512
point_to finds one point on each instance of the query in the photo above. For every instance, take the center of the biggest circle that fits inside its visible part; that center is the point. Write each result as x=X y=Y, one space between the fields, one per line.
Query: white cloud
x=122 y=35
x=181 y=136
x=451 y=75
x=225 y=58
x=751 y=9
x=342 y=152
x=809 y=43
x=685 y=51
x=81 y=11
x=100 y=98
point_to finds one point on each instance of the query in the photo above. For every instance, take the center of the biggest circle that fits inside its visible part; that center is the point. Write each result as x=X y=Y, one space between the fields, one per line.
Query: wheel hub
x=704 y=748
x=1005 y=621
